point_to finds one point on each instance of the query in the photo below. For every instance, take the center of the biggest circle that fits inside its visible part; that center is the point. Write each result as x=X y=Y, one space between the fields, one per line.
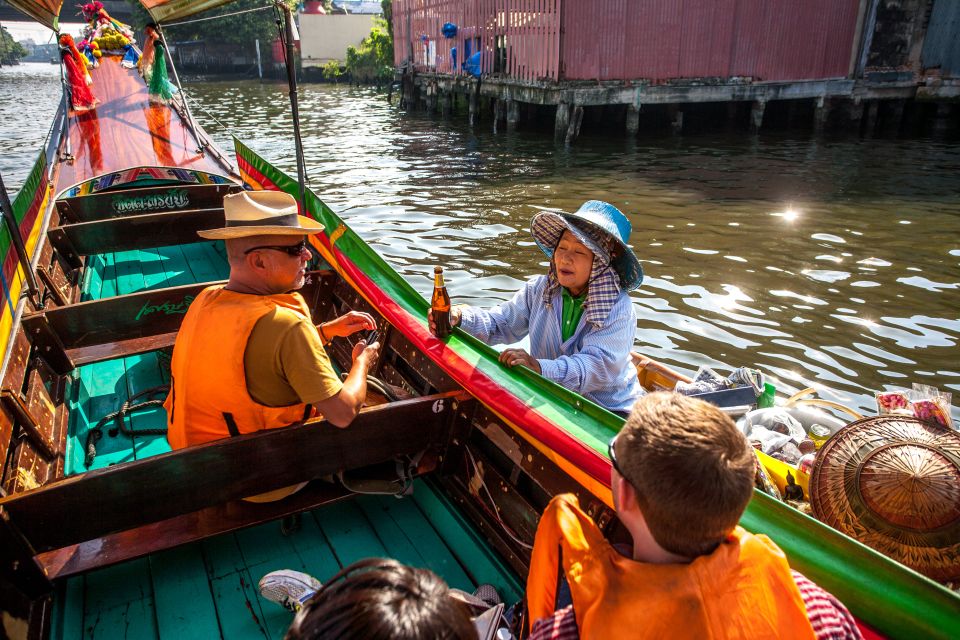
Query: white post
x=259 y=66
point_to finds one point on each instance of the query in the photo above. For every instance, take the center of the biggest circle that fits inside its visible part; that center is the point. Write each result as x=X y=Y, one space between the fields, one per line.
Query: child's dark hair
x=381 y=599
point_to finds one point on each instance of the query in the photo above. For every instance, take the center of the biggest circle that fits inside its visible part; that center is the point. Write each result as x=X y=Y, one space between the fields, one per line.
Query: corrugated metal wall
x=661 y=39
x=941 y=48
x=524 y=35
x=633 y=39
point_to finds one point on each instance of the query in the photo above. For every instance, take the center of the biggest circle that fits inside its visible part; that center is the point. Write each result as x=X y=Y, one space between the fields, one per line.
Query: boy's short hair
x=691 y=468
x=382 y=599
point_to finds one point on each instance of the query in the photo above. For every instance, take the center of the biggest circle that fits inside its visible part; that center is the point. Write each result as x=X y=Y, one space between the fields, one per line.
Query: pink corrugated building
x=656 y=40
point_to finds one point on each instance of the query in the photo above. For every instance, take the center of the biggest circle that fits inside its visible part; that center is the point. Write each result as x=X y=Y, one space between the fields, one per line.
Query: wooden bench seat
x=125 y=497
x=147 y=231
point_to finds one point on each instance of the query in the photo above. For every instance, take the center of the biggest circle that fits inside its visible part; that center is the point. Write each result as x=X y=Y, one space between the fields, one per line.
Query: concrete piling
x=821 y=114
x=757 y=110
x=633 y=119
x=513 y=114
x=561 y=121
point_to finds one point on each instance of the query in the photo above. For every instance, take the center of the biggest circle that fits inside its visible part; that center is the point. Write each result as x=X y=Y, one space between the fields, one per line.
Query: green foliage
x=10 y=50
x=387 y=6
x=242 y=29
x=372 y=61
x=332 y=71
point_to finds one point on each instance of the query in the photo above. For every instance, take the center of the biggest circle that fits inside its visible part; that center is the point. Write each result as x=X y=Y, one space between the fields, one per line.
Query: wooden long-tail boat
x=138 y=540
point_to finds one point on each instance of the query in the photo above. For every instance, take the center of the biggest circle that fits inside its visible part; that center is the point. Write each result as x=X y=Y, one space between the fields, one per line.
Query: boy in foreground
x=682 y=475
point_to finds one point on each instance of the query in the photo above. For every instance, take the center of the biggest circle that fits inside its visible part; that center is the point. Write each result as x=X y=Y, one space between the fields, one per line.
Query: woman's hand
x=455 y=313
x=348 y=324
x=516 y=357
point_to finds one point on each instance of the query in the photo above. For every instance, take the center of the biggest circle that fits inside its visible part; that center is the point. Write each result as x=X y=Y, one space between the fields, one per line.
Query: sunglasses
x=612 y=454
x=289 y=249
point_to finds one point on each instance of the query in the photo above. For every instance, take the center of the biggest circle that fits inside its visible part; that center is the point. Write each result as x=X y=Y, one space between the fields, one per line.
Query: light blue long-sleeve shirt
x=594 y=362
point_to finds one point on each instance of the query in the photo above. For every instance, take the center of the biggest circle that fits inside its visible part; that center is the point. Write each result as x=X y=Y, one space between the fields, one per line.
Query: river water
x=828 y=262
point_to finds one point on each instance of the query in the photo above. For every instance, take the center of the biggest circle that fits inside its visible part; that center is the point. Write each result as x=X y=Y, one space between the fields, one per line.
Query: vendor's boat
x=105 y=531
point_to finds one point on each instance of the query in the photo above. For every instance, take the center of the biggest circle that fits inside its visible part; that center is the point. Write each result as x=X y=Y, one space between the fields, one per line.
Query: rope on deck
x=128 y=407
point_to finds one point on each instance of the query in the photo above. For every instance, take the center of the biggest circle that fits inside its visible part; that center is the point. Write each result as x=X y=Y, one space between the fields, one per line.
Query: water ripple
x=734 y=230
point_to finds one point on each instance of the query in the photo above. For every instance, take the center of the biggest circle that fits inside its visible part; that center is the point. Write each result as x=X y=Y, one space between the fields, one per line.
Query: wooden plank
x=238 y=607
x=108 y=275
x=147 y=231
x=175 y=264
x=199 y=261
x=469 y=546
x=67 y=619
x=143 y=374
x=350 y=533
x=145 y=491
x=110 y=612
x=266 y=549
x=120 y=349
x=135 y=315
x=154 y=275
x=107 y=205
x=184 y=605
x=410 y=524
x=129 y=275
x=106 y=394
x=92 y=282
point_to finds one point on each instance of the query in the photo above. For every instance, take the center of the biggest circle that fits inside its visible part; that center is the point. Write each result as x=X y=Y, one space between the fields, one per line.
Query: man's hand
x=455 y=313
x=348 y=324
x=365 y=354
x=515 y=357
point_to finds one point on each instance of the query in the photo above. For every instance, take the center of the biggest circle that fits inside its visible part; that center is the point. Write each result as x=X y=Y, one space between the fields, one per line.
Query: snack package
x=930 y=405
x=896 y=402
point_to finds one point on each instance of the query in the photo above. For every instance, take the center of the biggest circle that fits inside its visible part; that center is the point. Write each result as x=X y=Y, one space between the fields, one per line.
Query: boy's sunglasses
x=289 y=249
x=612 y=454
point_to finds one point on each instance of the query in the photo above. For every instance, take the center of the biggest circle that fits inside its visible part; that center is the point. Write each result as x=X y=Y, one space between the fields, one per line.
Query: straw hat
x=893 y=483
x=598 y=225
x=258 y=213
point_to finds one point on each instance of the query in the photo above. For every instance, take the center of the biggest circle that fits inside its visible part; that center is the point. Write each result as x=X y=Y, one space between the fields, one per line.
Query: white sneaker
x=288 y=588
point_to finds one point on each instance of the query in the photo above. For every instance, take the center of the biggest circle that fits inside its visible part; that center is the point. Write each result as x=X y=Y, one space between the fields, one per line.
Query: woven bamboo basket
x=893 y=483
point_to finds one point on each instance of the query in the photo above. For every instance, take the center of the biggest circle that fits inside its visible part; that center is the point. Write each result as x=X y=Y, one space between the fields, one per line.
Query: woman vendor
x=579 y=315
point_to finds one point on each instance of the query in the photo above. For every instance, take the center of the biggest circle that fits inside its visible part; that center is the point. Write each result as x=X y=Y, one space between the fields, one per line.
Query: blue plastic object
x=453 y=57
x=473 y=65
x=449 y=30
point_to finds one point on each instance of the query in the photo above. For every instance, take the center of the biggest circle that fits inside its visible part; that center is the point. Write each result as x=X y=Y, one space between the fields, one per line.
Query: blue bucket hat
x=602 y=228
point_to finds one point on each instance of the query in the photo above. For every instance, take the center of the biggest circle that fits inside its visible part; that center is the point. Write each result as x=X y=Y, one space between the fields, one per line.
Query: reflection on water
x=832 y=263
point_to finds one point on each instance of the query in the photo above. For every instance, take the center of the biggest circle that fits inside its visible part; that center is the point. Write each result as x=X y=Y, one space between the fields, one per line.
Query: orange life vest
x=208 y=397
x=742 y=590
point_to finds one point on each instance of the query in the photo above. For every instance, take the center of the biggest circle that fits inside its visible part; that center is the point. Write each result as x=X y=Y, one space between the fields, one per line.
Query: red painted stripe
x=480 y=384
x=252 y=171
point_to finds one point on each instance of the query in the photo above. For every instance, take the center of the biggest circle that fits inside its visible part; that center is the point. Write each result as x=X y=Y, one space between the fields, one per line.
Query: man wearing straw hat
x=579 y=316
x=248 y=357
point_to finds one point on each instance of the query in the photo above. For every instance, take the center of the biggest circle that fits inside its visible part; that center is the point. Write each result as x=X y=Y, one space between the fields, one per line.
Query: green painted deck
x=208 y=589
x=101 y=388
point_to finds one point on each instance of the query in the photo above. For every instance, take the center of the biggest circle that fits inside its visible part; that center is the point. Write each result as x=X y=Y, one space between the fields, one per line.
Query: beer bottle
x=440 y=304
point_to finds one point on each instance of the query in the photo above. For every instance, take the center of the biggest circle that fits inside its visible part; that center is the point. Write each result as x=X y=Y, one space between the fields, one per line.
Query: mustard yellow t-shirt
x=285 y=362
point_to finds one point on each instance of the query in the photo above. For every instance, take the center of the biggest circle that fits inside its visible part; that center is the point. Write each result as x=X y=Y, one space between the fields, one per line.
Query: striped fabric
x=828 y=617
x=594 y=362
x=602 y=293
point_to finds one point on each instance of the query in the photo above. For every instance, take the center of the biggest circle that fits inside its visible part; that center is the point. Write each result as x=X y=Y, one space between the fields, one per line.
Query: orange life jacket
x=208 y=397
x=742 y=590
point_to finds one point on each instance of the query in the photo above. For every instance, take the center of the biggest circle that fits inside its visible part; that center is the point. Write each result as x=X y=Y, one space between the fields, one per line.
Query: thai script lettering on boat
x=167 y=308
x=175 y=199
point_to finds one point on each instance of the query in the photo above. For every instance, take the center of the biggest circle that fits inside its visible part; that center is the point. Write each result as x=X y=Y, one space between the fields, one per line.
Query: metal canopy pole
x=201 y=144
x=292 y=82
x=15 y=237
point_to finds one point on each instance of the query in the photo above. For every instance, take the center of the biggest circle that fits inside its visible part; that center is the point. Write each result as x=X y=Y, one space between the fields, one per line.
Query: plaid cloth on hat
x=828 y=617
x=603 y=288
